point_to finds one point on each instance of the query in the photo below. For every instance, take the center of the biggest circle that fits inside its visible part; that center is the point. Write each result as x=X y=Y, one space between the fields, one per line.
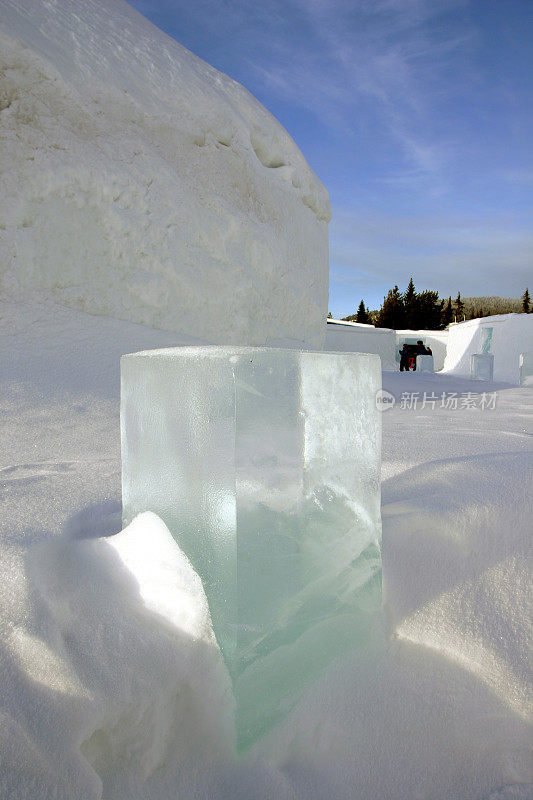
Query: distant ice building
x=505 y=336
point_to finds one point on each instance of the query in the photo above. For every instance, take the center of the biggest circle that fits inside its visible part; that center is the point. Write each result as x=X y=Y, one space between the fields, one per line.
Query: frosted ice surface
x=264 y=464
x=424 y=363
x=526 y=369
x=481 y=366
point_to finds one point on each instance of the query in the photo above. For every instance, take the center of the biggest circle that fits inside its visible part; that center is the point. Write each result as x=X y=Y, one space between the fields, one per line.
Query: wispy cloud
x=384 y=60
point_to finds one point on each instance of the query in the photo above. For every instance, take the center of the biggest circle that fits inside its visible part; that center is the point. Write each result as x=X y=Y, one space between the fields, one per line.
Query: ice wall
x=141 y=183
x=265 y=466
x=349 y=337
x=505 y=336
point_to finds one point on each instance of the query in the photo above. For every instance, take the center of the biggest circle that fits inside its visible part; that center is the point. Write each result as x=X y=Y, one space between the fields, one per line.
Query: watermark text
x=449 y=401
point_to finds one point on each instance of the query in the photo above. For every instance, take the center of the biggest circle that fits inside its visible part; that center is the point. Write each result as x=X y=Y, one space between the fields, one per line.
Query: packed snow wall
x=504 y=336
x=349 y=337
x=139 y=182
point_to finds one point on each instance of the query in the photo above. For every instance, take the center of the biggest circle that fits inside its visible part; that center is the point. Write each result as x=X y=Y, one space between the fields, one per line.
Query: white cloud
x=385 y=59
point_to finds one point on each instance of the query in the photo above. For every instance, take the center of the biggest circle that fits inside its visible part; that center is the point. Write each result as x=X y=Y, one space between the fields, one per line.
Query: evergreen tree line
x=487 y=306
x=426 y=311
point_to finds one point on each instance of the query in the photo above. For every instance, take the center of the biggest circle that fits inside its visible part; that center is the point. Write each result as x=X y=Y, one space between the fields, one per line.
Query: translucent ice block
x=265 y=466
x=525 y=364
x=481 y=366
x=424 y=363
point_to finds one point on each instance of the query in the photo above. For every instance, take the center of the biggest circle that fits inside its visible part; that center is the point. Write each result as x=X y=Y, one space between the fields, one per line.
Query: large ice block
x=265 y=466
x=525 y=365
x=425 y=363
x=481 y=366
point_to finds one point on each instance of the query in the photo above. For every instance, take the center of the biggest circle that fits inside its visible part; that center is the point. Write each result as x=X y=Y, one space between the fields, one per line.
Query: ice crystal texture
x=526 y=369
x=482 y=366
x=425 y=363
x=265 y=466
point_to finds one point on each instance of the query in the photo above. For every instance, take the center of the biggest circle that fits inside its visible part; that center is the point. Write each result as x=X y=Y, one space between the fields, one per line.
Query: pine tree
x=392 y=312
x=459 y=307
x=526 y=301
x=429 y=310
x=447 y=314
x=362 y=314
x=410 y=305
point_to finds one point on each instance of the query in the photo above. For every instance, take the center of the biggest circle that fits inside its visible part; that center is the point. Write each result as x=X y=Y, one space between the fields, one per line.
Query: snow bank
x=120 y=667
x=468 y=608
x=506 y=336
x=139 y=182
x=353 y=337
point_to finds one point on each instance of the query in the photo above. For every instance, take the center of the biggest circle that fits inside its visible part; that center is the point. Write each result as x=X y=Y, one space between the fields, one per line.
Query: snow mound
x=470 y=606
x=121 y=667
x=139 y=182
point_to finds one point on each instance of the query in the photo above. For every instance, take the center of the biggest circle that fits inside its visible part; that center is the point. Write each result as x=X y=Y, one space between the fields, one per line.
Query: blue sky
x=416 y=114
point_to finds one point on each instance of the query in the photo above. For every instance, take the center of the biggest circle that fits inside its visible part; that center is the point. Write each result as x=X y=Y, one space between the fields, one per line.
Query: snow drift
x=139 y=182
x=119 y=650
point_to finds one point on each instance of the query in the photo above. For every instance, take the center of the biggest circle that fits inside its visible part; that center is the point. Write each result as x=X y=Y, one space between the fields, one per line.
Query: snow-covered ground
x=112 y=684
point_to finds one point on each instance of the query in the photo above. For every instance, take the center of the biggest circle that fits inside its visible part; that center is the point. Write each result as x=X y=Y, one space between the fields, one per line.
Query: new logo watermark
x=384 y=400
x=449 y=401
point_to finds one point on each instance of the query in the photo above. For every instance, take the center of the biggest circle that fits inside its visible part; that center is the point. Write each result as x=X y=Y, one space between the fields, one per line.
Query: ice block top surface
x=217 y=351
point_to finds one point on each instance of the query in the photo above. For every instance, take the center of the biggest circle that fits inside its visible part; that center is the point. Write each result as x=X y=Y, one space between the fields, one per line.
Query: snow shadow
x=71 y=355
x=96 y=521
x=470 y=512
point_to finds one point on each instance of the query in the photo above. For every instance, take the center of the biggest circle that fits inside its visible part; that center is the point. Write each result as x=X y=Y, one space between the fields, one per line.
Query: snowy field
x=112 y=684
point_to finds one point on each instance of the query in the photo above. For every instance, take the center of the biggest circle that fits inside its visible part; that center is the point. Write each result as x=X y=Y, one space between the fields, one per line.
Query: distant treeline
x=475 y=307
x=426 y=311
